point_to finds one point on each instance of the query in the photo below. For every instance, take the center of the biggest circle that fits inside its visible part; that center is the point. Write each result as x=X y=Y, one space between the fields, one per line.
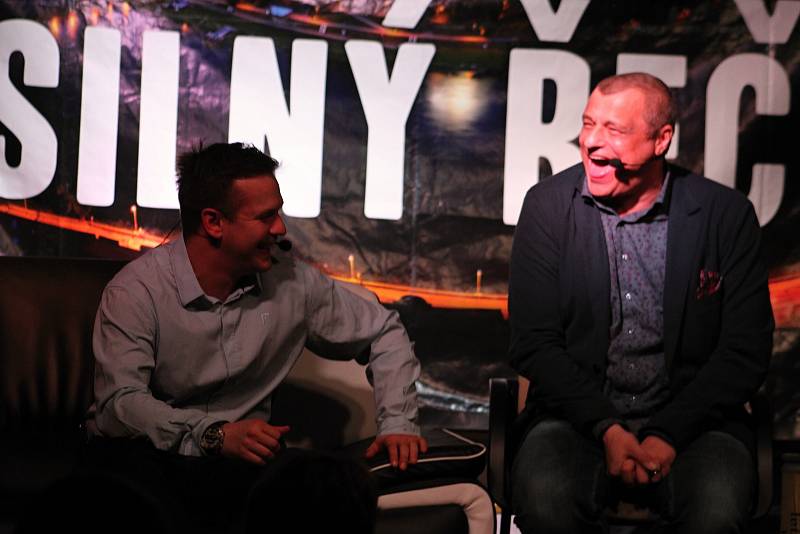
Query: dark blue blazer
x=717 y=316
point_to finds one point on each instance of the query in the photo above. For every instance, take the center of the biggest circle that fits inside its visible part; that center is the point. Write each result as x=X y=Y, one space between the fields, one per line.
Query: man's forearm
x=395 y=369
x=131 y=413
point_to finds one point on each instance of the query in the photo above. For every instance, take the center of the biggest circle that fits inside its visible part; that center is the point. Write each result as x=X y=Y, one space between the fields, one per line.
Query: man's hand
x=662 y=453
x=403 y=449
x=252 y=440
x=625 y=457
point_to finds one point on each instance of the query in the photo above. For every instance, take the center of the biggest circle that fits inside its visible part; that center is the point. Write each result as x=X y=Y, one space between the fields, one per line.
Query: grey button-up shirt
x=171 y=360
x=636 y=377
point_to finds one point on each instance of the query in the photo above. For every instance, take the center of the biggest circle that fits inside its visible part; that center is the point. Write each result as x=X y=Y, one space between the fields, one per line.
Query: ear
x=211 y=222
x=663 y=139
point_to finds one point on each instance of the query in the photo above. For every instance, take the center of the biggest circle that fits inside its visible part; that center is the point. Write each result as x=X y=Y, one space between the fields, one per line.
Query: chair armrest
x=502 y=413
x=762 y=414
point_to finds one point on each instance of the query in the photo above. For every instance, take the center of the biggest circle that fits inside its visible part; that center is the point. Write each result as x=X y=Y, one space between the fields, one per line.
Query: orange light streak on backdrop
x=125 y=237
x=72 y=24
x=437 y=298
x=55 y=26
x=784 y=291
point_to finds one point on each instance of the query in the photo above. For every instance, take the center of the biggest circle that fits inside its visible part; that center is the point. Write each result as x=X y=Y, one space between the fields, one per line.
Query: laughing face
x=615 y=127
x=250 y=232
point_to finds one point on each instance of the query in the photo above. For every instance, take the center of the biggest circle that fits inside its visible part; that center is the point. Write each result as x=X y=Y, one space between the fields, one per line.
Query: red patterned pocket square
x=710 y=282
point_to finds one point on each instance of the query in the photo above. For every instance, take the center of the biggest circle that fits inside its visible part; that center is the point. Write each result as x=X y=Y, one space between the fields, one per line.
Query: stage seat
x=506 y=402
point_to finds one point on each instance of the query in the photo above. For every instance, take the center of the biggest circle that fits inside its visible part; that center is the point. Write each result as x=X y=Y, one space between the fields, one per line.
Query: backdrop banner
x=407 y=134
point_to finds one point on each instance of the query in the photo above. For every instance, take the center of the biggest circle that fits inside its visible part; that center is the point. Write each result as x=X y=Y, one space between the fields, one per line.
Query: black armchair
x=505 y=396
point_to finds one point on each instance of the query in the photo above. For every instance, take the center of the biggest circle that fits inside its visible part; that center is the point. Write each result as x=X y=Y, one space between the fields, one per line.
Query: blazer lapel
x=683 y=239
x=592 y=259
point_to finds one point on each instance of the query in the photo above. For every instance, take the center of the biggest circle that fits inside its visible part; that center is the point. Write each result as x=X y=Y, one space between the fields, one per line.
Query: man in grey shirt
x=192 y=338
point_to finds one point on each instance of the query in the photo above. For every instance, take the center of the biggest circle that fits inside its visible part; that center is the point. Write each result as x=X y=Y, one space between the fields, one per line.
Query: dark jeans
x=195 y=494
x=560 y=484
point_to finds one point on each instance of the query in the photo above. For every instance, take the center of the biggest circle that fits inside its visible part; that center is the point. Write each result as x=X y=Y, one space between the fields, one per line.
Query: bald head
x=659 y=105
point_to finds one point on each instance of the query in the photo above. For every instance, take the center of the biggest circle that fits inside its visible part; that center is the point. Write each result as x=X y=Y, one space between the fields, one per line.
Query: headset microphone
x=626 y=167
x=284 y=244
x=617 y=164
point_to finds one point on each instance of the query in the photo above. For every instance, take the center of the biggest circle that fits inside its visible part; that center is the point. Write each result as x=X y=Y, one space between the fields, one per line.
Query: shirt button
x=630 y=331
x=625 y=257
x=633 y=398
x=630 y=366
x=628 y=296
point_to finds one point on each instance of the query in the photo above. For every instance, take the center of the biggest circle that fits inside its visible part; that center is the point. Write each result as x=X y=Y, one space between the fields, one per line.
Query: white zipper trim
x=444 y=458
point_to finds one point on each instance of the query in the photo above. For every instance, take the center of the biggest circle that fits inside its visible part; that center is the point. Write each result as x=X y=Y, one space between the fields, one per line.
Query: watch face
x=211 y=440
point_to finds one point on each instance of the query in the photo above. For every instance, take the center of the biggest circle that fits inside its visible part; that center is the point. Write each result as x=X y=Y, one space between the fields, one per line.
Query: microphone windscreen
x=285 y=245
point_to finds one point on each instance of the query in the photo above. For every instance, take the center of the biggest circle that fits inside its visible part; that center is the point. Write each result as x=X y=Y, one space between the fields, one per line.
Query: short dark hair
x=660 y=108
x=205 y=175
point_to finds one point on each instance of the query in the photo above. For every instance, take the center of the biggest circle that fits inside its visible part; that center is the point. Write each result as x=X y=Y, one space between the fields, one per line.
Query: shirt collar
x=188 y=286
x=660 y=205
x=250 y=283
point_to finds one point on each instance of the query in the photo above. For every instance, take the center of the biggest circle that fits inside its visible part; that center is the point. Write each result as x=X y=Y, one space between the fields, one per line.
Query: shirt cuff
x=398 y=425
x=190 y=445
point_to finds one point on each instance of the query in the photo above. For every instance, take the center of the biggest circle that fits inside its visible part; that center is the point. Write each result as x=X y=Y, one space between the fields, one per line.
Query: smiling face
x=615 y=127
x=249 y=233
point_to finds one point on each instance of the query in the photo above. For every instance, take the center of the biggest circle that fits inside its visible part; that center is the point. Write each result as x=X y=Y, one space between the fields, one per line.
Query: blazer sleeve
x=538 y=350
x=738 y=363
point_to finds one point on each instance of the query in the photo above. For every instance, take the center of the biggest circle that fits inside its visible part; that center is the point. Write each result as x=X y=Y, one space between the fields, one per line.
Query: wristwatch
x=212 y=438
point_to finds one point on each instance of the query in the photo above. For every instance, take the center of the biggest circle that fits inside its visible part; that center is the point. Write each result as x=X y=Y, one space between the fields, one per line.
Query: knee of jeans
x=716 y=518
x=715 y=505
x=541 y=487
x=546 y=500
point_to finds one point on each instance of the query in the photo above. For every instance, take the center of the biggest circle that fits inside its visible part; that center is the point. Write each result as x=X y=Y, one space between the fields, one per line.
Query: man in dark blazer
x=640 y=314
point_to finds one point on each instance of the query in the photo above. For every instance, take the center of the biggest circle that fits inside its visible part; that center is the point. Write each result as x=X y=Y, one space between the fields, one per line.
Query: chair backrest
x=508 y=400
x=327 y=403
x=47 y=311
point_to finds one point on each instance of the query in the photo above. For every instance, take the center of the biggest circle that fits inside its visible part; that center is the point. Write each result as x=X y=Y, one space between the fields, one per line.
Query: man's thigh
x=558 y=480
x=202 y=494
x=711 y=486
